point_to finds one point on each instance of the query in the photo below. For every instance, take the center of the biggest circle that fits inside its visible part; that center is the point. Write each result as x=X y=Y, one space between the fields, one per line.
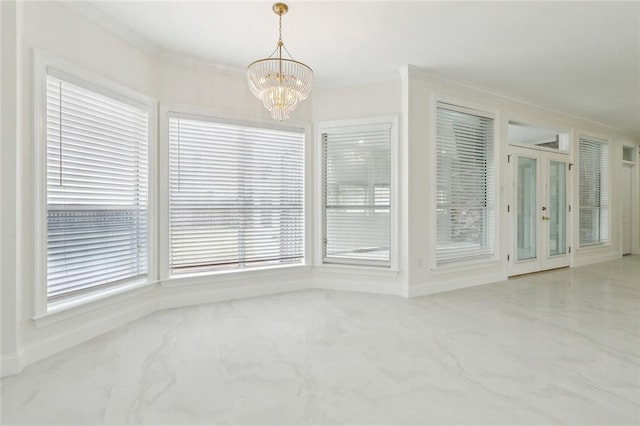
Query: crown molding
x=204 y=64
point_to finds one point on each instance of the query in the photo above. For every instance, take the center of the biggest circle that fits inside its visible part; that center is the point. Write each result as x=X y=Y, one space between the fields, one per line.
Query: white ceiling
x=582 y=58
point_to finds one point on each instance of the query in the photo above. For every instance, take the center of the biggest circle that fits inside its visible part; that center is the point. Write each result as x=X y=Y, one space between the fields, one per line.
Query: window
x=357 y=194
x=465 y=195
x=96 y=188
x=236 y=196
x=593 y=192
x=628 y=154
x=534 y=136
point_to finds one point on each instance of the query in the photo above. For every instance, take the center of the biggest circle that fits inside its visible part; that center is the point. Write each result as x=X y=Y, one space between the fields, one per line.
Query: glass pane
x=593 y=192
x=526 y=220
x=235 y=196
x=357 y=194
x=464 y=186
x=557 y=207
x=627 y=153
x=537 y=136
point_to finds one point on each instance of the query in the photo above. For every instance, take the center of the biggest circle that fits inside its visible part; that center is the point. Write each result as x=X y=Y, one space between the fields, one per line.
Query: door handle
x=546 y=218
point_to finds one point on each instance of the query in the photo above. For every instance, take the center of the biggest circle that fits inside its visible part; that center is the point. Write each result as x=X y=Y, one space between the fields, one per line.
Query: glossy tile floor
x=556 y=348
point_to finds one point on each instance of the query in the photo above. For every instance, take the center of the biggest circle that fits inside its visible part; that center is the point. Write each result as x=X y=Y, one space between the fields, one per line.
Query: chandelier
x=278 y=82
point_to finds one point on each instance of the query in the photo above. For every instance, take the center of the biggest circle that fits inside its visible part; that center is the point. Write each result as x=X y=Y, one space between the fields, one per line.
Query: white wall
x=9 y=107
x=61 y=31
x=368 y=100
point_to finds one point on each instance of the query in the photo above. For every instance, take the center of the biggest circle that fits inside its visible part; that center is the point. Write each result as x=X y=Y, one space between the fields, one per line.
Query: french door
x=539 y=211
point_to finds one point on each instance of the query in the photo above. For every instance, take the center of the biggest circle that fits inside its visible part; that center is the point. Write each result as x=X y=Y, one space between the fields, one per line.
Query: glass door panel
x=527 y=178
x=557 y=217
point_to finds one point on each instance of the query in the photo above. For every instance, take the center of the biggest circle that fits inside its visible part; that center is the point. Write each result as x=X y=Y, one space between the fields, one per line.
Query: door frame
x=627 y=183
x=542 y=261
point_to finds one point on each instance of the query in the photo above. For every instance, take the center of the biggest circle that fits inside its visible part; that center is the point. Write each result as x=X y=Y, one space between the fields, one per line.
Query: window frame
x=468 y=107
x=319 y=225
x=106 y=87
x=168 y=110
x=605 y=141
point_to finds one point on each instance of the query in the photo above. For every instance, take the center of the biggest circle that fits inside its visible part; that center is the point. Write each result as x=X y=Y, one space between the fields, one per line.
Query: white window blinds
x=357 y=194
x=465 y=195
x=97 y=181
x=236 y=196
x=593 y=192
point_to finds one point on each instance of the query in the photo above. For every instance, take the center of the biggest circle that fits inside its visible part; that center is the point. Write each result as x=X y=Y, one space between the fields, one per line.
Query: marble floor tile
x=562 y=347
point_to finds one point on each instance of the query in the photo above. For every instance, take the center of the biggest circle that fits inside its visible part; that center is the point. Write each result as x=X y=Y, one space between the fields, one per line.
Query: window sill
x=356 y=269
x=593 y=247
x=464 y=266
x=87 y=303
x=232 y=275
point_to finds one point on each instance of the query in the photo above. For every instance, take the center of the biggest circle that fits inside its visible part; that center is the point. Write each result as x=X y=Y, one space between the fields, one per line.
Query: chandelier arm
x=273 y=53
x=288 y=53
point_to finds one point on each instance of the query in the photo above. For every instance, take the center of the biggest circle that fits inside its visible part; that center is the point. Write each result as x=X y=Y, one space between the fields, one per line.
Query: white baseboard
x=53 y=344
x=167 y=298
x=423 y=289
x=590 y=257
x=11 y=364
x=395 y=289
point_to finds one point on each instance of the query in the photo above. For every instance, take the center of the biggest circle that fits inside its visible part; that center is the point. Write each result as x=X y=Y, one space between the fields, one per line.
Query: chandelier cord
x=280 y=44
x=280 y=28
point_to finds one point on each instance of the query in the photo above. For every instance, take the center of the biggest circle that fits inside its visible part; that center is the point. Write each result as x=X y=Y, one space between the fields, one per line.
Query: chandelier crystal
x=280 y=83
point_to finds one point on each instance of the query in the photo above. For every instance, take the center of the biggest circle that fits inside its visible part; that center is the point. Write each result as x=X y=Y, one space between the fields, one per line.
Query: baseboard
x=426 y=288
x=394 y=289
x=169 y=298
x=11 y=364
x=53 y=344
x=590 y=257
